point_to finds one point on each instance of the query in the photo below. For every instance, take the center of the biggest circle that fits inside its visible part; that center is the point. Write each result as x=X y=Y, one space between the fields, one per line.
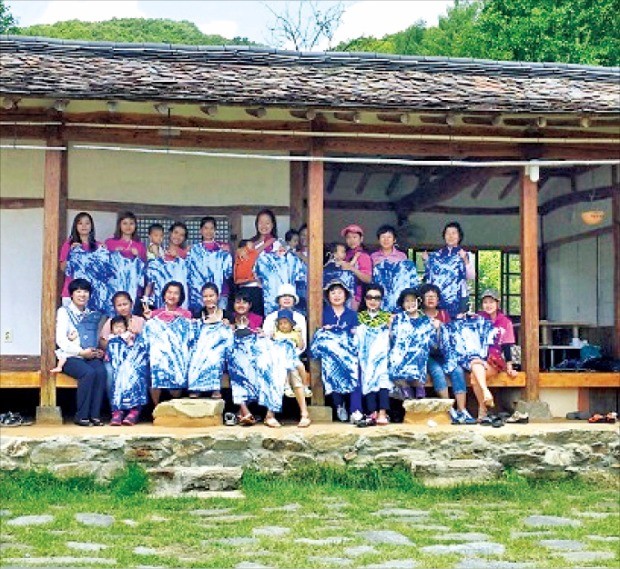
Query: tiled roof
x=43 y=67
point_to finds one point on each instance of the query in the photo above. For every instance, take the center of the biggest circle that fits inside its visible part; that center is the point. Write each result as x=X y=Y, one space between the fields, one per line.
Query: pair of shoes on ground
x=461 y=417
x=372 y=420
x=491 y=421
x=94 y=422
x=608 y=418
x=288 y=392
x=307 y=391
x=518 y=418
x=10 y=419
x=578 y=415
x=128 y=420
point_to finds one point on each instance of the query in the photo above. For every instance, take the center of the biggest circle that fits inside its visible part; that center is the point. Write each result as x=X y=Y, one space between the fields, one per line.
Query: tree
x=8 y=23
x=306 y=27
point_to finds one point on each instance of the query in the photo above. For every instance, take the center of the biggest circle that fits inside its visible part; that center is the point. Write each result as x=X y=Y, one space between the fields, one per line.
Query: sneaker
x=454 y=414
x=342 y=414
x=356 y=416
x=132 y=418
x=307 y=391
x=420 y=392
x=117 y=419
x=409 y=394
x=288 y=391
x=230 y=419
x=463 y=418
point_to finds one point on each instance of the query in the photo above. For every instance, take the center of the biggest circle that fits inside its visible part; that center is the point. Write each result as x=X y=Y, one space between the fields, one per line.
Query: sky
x=231 y=18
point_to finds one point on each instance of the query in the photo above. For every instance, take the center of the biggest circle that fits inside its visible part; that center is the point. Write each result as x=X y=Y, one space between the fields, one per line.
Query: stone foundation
x=182 y=461
x=421 y=411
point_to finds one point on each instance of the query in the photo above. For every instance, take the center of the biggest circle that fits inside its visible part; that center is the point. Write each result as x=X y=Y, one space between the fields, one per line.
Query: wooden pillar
x=529 y=284
x=296 y=206
x=315 y=264
x=615 y=216
x=54 y=217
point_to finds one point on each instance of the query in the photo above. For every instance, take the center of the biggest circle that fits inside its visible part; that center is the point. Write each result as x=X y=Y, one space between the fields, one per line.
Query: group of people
x=204 y=312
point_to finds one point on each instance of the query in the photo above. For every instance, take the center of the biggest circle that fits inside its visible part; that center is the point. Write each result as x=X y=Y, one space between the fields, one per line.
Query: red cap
x=353 y=228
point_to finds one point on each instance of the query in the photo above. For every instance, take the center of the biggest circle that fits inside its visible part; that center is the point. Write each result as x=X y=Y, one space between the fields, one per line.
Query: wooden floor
x=31 y=379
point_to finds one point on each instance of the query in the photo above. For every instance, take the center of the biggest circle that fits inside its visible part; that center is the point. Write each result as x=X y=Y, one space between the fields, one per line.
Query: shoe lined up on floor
x=342 y=414
x=518 y=417
x=462 y=417
x=10 y=419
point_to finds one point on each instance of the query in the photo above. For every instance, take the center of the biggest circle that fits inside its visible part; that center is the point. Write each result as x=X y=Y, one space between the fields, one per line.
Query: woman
x=77 y=322
x=124 y=240
x=450 y=268
x=265 y=241
x=500 y=352
x=170 y=267
x=391 y=268
x=123 y=306
x=335 y=346
x=82 y=236
x=168 y=335
x=357 y=260
x=212 y=341
x=438 y=362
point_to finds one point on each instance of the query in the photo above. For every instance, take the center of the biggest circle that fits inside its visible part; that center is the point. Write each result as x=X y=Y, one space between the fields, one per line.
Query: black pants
x=91 y=377
x=377 y=400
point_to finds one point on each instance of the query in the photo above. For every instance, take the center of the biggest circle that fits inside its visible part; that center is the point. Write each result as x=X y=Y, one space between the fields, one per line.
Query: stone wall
x=216 y=460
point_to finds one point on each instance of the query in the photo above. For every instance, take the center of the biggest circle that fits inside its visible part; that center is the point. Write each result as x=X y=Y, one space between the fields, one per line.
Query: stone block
x=189 y=413
x=537 y=410
x=424 y=410
x=49 y=415
x=453 y=472
x=320 y=414
x=183 y=480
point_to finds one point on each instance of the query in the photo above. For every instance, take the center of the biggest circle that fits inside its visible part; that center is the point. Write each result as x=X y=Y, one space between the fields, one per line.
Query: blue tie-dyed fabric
x=203 y=267
x=410 y=347
x=168 y=347
x=394 y=278
x=302 y=290
x=337 y=350
x=97 y=268
x=469 y=338
x=160 y=272
x=274 y=270
x=374 y=346
x=131 y=376
x=128 y=276
x=332 y=272
x=256 y=372
x=446 y=269
x=209 y=352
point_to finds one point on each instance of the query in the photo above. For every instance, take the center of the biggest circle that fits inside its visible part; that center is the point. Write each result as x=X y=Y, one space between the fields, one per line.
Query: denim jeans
x=457 y=377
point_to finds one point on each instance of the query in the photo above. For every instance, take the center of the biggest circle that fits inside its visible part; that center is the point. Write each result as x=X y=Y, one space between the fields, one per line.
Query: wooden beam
x=315 y=267
x=601 y=193
x=450 y=210
x=509 y=187
x=333 y=180
x=615 y=211
x=391 y=187
x=475 y=193
x=296 y=200
x=581 y=379
x=53 y=202
x=529 y=285
x=361 y=185
x=579 y=237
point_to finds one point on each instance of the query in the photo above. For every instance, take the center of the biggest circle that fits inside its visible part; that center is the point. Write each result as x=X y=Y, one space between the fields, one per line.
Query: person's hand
x=463 y=255
x=89 y=353
x=346 y=266
x=75 y=245
x=147 y=312
x=99 y=353
x=72 y=335
x=425 y=256
x=242 y=254
x=436 y=323
x=511 y=371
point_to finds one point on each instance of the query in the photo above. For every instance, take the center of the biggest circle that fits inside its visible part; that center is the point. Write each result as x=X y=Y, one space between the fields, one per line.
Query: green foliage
x=131 y=30
x=8 y=23
x=129 y=482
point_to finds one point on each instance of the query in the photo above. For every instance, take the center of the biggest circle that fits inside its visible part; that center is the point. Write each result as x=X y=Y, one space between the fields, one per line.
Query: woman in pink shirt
x=82 y=235
x=125 y=239
x=177 y=242
x=386 y=234
x=357 y=260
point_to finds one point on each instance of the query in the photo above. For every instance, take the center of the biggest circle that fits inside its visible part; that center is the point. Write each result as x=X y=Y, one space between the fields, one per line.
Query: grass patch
x=332 y=502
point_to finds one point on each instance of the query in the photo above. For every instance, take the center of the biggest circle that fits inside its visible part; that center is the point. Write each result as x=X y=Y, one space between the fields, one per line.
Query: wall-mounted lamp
x=209 y=110
x=60 y=105
x=585 y=122
x=112 y=106
x=541 y=122
x=162 y=108
x=533 y=172
x=452 y=119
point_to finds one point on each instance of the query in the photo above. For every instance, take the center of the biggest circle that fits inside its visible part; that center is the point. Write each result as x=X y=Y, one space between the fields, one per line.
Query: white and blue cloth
x=128 y=276
x=468 y=339
x=204 y=266
x=411 y=341
x=131 y=372
x=275 y=269
x=97 y=268
x=394 y=278
x=159 y=272
x=373 y=345
x=446 y=270
x=210 y=347
x=332 y=272
x=337 y=349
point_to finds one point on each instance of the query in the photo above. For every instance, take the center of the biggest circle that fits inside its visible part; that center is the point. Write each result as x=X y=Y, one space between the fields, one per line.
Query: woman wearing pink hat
x=357 y=259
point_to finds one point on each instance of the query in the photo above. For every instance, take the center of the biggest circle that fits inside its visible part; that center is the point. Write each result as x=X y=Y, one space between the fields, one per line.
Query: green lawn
x=316 y=504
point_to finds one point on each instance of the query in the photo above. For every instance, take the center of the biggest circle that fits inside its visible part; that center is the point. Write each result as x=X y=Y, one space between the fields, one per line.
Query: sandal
x=247 y=421
x=95 y=422
x=597 y=418
x=518 y=417
x=382 y=422
x=273 y=422
x=304 y=422
x=230 y=419
x=11 y=419
x=611 y=417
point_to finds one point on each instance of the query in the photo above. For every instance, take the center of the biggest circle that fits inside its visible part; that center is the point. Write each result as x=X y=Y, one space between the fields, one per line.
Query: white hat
x=287 y=290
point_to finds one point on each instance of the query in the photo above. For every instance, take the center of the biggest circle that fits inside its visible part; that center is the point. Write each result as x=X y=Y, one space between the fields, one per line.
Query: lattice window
x=222 y=232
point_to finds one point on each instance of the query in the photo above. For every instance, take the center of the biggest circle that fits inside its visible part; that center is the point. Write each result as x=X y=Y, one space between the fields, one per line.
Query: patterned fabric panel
x=337 y=350
x=469 y=338
x=205 y=266
x=131 y=374
x=374 y=346
x=98 y=270
x=411 y=344
x=160 y=272
x=394 y=278
x=210 y=348
x=168 y=349
x=447 y=271
x=128 y=276
x=274 y=270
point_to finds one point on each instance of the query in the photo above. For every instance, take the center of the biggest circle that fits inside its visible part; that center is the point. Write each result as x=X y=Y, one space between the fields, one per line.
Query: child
x=119 y=328
x=285 y=330
x=292 y=240
x=337 y=254
x=155 y=250
x=412 y=335
x=332 y=270
x=73 y=337
x=243 y=272
x=373 y=335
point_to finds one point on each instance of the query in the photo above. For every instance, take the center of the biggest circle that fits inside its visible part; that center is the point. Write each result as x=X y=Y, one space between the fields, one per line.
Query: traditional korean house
x=524 y=155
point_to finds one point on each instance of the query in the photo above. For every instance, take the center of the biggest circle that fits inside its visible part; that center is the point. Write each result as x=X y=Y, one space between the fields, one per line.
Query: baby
x=119 y=328
x=243 y=271
x=155 y=250
x=285 y=330
x=74 y=338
